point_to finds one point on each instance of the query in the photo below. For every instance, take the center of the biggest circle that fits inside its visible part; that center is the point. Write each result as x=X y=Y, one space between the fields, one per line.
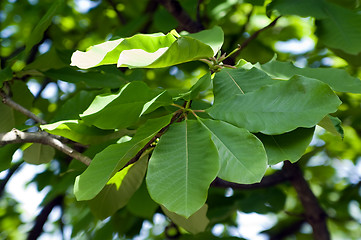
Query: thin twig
x=252 y=37
x=8 y=101
x=16 y=136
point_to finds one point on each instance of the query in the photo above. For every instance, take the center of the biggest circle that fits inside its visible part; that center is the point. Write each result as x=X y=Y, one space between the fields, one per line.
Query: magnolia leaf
x=109 y=111
x=202 y=84
x=242 y=156
x=229 y=82
x=119 y=189
x=141 y=204
x=5 y=75
x=280 y=107
x=38 y=154
x=183 y=164
x=79 y=132
x=38 y=32
x=151 y=50
x=332 y=125
x=106 y=163
x=6 y=154
x=338 y=79
x=288 y=146
x=194 y=224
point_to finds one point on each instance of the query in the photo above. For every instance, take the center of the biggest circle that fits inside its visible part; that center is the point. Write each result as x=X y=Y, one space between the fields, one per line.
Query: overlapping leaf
x=111 y=159
x=120 y=110
x=38 y=153
x=194 y=224
x=183 y=164
x=229 y=82
x=242 y=156
x=288 y=146
x=79 y=132
x=280 y=107
x=338 y=79
x=119 y=189
x=151 y=50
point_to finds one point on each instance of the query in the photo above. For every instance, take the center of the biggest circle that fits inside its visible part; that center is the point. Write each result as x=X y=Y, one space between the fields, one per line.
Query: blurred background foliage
x=46 y=84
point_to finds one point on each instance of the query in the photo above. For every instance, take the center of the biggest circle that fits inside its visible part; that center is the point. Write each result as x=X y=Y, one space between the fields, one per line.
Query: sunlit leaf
x=332 y=124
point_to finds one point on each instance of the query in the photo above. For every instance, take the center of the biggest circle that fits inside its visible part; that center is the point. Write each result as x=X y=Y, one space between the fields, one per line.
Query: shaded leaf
x=332 y=124
x=280 y=107
x=183 y=164
x=194 y=224
x=106 y=163
x=338 y=79
x=94 y=79
x=242 y=156
x=79 y=132
x=38 y=154
x=288 y=146
x=119 y=189
x=5 y=75
x=38 y=32
x=201 y=85
x=141 y=204
x=6 y=154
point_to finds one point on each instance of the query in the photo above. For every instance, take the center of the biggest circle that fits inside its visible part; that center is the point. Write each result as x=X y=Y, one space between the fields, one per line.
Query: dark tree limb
x=119 y=14
x=313 y=212
x=10 y=173
x=183 y=18
x=267 y=181
x=41 y=219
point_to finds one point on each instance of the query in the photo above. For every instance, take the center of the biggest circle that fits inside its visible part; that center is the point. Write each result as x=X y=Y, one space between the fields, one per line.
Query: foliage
x=169 y=120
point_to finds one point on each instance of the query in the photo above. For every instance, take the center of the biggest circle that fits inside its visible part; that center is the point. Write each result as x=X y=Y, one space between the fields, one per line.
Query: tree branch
x=37 y=229
x=185 y=21
x=267 y=181
x=255 y=35
x=8 y=101
x=119 y=14
x=16 y=136
x=314 y=214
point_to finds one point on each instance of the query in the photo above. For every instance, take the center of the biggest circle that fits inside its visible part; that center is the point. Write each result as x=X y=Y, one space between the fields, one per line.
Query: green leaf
x=242 y=156
x=201 y=85
x=338 y=79
x=93 y=79
x=6 y=154
x=280 y=107
x=162 y=99
x=332 y=124
x=229 y=82
x=338 y=27
x=109 y=111
x=119 y=189
x=141 y=204
x=194 y=224
x=38 y=154
x=288 y=146
x=183 y=164
x=304 y=8
x=114 y=157
x=52 y=59
x=38 y=32
x=151 y=50
x=5 y=75
x=79 y=132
